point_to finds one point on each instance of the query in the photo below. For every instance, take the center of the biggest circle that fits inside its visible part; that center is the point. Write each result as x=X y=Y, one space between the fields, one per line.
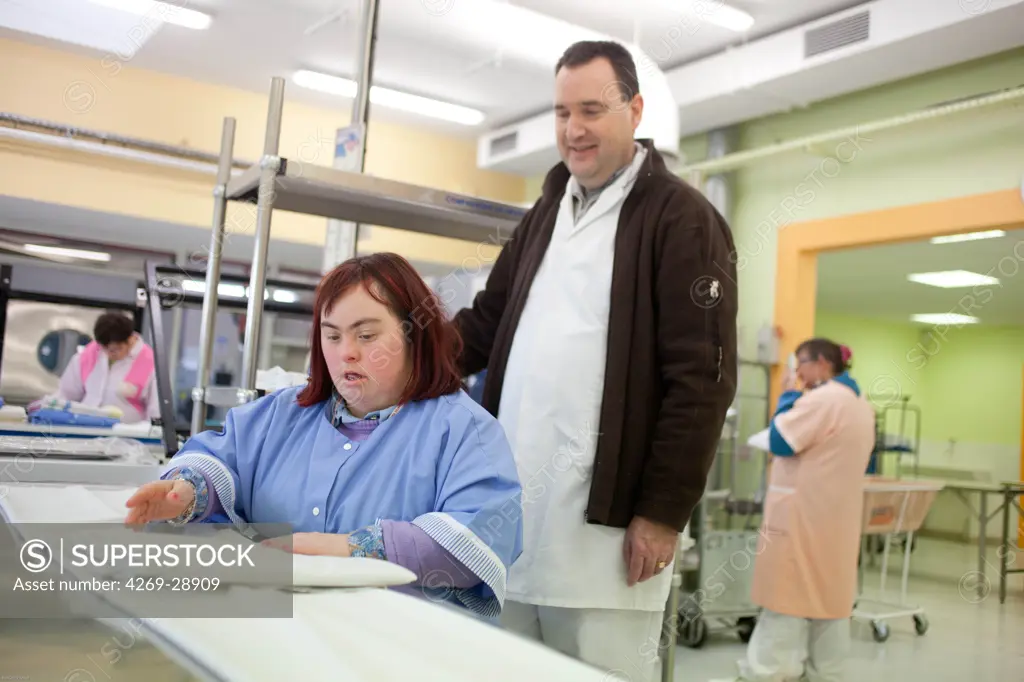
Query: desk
x=1008 y=491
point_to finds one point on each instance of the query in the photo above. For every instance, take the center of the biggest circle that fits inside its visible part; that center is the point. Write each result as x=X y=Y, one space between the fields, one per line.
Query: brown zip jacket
x=671 y=364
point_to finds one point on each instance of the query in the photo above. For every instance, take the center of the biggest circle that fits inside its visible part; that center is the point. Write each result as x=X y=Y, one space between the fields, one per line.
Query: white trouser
x=623 y=643
x=785 y=648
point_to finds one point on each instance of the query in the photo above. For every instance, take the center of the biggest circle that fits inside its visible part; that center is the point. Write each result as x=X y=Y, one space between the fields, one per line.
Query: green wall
x=967 y=380
x=974 y=384
x=957 y=156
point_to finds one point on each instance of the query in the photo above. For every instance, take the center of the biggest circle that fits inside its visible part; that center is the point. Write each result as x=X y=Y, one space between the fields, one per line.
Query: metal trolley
x=717 y=573
x=892 y=507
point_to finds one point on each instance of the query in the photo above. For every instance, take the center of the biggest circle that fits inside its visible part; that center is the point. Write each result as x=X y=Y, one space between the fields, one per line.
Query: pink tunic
x=807 y=553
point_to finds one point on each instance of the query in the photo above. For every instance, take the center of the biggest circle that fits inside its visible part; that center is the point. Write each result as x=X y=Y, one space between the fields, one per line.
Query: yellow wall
x=106 y=95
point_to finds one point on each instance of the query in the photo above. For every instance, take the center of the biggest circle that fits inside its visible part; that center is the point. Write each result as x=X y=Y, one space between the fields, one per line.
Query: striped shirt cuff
x=475 y=555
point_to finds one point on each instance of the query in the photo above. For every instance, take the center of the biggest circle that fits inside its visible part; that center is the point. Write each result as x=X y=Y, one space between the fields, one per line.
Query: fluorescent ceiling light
x=67 y=253
x=952 y=279
x=223 y=288
x=239 y=291
x=285 y=296
x=160 y=11
x=944 y=318
x=720 y=14
x=969 y=237
x=390 y=98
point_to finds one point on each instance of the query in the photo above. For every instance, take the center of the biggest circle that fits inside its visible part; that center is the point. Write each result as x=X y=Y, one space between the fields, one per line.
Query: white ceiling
x=251 y=41
x=872 y=282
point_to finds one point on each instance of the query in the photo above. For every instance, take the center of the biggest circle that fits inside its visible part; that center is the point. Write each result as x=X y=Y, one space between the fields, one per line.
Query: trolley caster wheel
x=693 y=633
x=745 y=628
x=920 y=624
x=880 y=630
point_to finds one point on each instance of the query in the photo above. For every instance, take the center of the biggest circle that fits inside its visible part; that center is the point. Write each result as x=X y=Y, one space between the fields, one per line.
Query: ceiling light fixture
x=722 y=15
x=943 y=318
x=68 y=253
x=224 y=289
x=285 y=296
x=393 y=99
x=952 y=279
x=160 y=11
x=969 y=237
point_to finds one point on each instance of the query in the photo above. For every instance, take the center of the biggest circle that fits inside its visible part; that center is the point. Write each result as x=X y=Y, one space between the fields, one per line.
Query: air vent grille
x=504 y=144
x=847 y=31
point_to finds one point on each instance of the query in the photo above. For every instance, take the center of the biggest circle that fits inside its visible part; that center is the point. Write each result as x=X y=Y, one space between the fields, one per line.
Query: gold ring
x=662 y=564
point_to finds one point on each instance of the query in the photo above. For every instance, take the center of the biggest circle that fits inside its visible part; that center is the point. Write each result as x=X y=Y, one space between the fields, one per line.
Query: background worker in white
x=119 y=372
x=805 y=573
x=608 y=329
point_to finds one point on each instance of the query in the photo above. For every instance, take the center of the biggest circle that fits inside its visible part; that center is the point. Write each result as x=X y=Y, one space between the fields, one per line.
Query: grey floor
x=970 y=637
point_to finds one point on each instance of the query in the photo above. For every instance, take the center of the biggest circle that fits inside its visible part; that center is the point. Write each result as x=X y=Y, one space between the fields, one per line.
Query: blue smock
x=443 y=464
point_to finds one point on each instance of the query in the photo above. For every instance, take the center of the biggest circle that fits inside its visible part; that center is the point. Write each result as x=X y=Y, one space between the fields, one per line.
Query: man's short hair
x=113 y=327
x=621 y=60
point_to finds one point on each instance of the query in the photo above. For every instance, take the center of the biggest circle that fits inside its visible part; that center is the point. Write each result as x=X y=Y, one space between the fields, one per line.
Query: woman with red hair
x=381 y=454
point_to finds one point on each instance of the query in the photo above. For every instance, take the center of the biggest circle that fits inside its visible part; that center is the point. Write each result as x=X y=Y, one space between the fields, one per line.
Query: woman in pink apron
x=805 y=573
x=116 y=369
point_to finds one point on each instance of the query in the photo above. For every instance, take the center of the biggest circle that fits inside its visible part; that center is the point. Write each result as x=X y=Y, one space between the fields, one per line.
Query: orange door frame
x=800 y=243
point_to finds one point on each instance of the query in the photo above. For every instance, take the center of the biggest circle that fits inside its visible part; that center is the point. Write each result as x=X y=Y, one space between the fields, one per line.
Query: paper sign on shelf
x=340 y=244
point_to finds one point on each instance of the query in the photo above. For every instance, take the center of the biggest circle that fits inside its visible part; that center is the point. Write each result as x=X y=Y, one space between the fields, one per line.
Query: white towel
x=761 y=440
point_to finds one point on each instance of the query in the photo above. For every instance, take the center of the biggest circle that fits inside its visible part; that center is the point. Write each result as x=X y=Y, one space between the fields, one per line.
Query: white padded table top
x=56 y=503
x=357 y=634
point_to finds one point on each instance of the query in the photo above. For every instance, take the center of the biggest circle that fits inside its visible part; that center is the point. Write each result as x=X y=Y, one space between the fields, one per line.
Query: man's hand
x=316 y=544
x=649 y=547
x=789 y=382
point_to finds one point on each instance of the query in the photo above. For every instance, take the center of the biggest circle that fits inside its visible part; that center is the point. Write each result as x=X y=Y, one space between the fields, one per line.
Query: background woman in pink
x=805 y=575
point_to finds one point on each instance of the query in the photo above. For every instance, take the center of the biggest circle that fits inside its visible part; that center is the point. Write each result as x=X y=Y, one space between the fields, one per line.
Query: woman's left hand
x=316 y=544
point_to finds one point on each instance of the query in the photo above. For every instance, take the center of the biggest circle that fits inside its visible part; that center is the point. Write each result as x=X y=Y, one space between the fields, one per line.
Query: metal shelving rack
x=902 y=444
x=165 y=288
x=291 y=185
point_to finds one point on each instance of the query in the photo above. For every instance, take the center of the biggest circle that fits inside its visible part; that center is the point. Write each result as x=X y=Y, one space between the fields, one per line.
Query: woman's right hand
x=159 y=501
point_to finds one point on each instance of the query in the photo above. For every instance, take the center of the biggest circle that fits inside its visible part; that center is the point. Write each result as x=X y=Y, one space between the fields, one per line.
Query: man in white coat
x=608 y=330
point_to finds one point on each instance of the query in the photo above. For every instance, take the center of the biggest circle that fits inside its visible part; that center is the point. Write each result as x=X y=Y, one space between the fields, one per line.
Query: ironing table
x=362 y=632
x=37 y=453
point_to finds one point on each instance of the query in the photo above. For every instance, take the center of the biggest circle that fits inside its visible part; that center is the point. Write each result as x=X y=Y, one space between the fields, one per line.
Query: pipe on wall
x=61 y=131
x=718 y=187
x=750 y=156
x=123 y=153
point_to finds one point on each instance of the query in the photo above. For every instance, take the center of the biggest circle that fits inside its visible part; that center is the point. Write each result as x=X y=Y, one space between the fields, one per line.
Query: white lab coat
x=550 y=408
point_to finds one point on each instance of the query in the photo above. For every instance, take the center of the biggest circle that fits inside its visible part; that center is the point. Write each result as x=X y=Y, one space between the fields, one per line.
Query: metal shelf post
x=270 y=164
x=209 y=321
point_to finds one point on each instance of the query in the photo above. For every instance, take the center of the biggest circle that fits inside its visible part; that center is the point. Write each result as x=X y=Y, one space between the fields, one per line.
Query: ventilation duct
x=834 y=35
x=871 y=44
